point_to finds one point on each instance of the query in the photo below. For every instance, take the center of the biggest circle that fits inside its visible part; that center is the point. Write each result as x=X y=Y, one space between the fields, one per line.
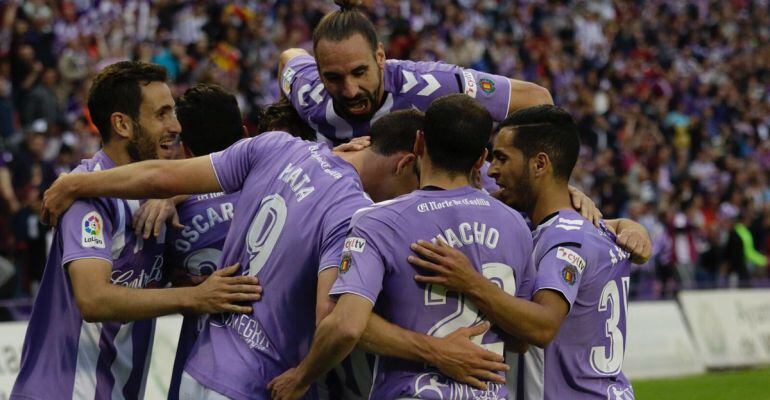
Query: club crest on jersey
x=487 y=86
x=568 y=255
x=92 y=234
x=345 y=262
x=569 y=274
x=356 y=244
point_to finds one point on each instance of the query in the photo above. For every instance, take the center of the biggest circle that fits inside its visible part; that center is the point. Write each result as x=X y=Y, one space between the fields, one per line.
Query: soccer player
x=195 y=250
x=579 y=306
x=90 y=334
x=295 y=206
x=374 y=268
x=349 y=84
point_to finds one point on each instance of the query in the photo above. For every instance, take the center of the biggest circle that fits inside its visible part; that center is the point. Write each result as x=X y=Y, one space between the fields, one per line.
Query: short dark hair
x=117 y=88
x=546 y=129
x=210 y=118
x=396 y=131
x=282 y=116
x=344 y=23
x=457 y=129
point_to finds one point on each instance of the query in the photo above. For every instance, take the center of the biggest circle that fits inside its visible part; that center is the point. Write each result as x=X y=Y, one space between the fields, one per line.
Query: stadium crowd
x=672 y=99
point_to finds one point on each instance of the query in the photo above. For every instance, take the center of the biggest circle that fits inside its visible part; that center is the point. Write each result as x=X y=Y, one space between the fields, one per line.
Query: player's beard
x=524 y=198
x=341 y=104
x=141 y=146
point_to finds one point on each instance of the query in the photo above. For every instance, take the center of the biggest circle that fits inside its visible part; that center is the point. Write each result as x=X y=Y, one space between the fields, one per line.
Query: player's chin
x=506 y=196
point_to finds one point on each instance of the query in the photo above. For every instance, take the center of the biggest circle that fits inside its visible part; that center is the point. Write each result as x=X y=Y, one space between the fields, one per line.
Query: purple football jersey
x=407 y=84
x=197 y=249
x=585 y=266
x=295 y=206
x=487 y=183
x=374 y=265
x=65 y=356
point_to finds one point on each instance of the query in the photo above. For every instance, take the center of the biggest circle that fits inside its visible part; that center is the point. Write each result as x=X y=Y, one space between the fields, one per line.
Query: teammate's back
x=495 y=237
x=584 y=264
x=295 y=205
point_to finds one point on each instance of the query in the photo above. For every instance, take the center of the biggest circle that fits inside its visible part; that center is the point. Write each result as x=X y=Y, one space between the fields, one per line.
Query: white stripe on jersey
x=543 y=225
x=374 y=374
x=147 y=359
x=124 y=359
x=384 y=110
x=533 y=376
x=88 y=357
x=361 y=211
x=578 y=222
x=342 y=129
x=119 y=232
x=133 y=205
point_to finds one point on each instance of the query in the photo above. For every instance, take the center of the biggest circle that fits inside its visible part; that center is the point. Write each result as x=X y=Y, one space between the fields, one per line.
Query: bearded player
x=349 y=84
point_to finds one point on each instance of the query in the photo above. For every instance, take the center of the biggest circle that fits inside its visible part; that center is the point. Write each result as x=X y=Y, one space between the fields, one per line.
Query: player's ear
x=539 y=164
x=405 y=163
x=379 y=55
x=419 y=143
x=480 y=162
x=121 y=125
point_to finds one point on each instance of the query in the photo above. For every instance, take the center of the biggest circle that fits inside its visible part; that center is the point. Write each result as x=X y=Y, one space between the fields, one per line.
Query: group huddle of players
x=385 y=261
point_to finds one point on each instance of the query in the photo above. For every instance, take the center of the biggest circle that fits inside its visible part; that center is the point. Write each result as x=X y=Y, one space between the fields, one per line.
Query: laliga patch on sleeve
x=470 y=83
x=92 y=230
x=356 y=244
x=286 y=78
x=571 y=257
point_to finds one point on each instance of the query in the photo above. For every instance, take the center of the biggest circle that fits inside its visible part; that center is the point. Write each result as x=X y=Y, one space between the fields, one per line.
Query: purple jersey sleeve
x=334 y=239
x=492 y=91
x=86 y=232
x=299 y=81
x=362 y=268
x=233 y=164
x=561 y=269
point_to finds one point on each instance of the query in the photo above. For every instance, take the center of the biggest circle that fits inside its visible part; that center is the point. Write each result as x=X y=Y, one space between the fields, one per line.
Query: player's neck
x=550 y=200
x=354 y=158
x=432 y=176
x=116 y=151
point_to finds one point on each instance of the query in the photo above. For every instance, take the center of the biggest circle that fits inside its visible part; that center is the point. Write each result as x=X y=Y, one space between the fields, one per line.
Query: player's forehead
x=155 y=97
x=345 y=55
x=503 y=142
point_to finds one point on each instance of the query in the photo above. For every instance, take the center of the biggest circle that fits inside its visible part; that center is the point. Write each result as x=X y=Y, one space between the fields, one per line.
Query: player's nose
x=350 y=89
x=174 y=126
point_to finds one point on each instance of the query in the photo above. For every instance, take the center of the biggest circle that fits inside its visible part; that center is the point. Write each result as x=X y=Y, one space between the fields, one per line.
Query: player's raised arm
x=527 y=94
x=286 y=56
x=146 y=179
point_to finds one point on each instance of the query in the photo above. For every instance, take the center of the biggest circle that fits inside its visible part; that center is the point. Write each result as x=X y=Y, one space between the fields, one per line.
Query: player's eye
x=333 y=78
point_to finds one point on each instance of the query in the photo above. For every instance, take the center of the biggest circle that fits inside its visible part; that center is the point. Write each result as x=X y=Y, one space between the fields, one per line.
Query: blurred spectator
x=672 y=98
